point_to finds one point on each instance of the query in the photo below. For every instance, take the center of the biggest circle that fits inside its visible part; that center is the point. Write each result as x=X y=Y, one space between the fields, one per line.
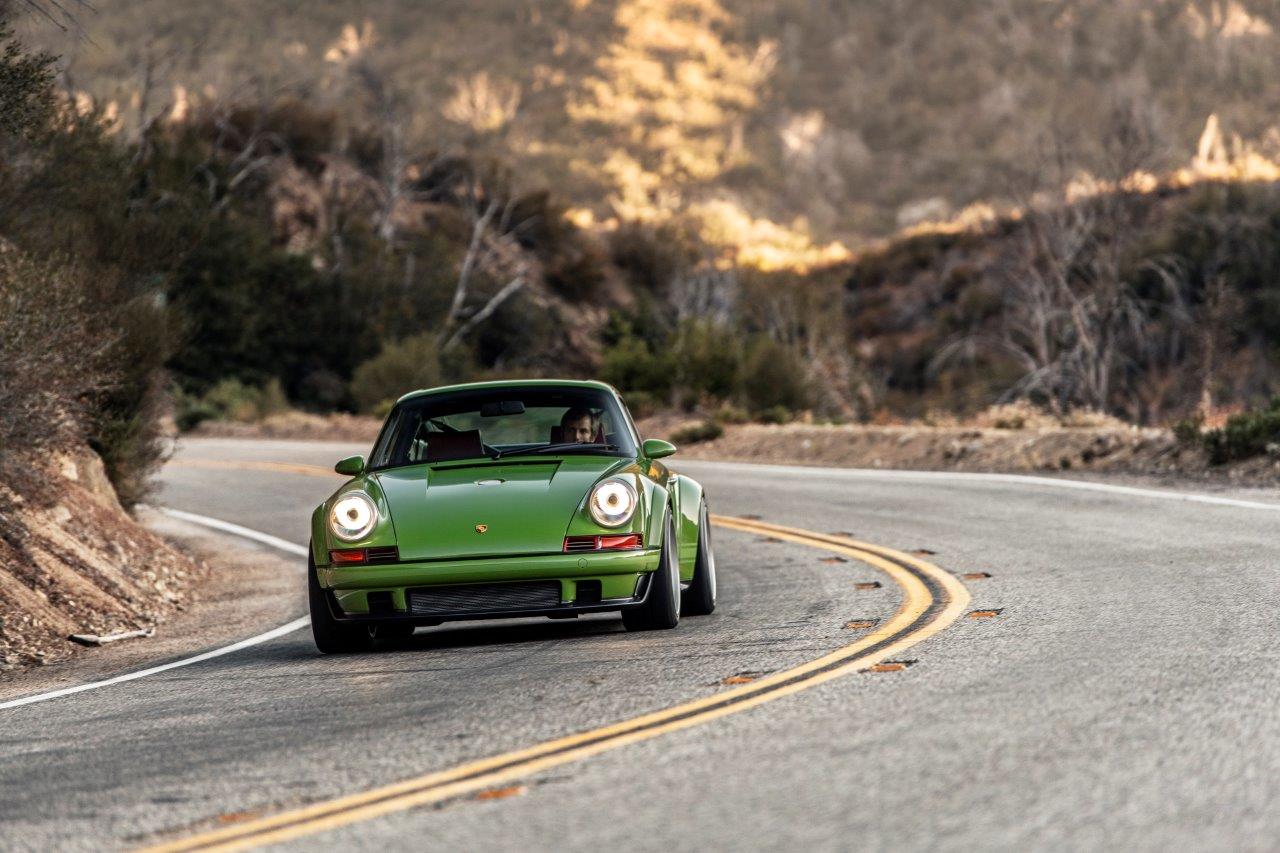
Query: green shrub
x=190 y=410
x=272 y=399
x=576 y=272
x=776 y=415
x=641 y=404
x=695 y=433
x=773 y=377
x=323 y=389
x=708 y=360
x=1188 y=430
x=26 y=86
x=631 y=365
x=401 y=367
x=1245 y=435
x=255 y=312
x=649 y=257
x=232 y=400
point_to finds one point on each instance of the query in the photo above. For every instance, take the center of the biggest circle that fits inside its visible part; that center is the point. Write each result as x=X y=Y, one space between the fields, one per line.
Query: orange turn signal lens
x=347 y=557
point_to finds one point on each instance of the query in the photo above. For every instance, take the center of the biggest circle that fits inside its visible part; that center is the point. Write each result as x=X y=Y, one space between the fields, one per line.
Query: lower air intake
x=483 y=598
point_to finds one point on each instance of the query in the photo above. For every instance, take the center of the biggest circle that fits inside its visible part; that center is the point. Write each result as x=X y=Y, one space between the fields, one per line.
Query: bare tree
x=1074 y=319
x=491 y=247
x=57 y=12
x=1085 y=326
x=705 y=293
x=388 y=103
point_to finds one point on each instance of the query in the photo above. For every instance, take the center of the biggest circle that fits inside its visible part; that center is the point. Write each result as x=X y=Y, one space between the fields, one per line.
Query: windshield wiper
x=555 y=448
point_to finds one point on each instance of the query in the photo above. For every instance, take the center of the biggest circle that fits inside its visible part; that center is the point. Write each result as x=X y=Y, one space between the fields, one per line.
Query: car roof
x=511 y=383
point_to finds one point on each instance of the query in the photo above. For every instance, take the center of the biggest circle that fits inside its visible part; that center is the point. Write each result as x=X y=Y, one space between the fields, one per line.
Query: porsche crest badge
x=481 y=528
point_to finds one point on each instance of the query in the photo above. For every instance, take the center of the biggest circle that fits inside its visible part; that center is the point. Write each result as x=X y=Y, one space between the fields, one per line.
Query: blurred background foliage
x=857 y=117
x=753 y=210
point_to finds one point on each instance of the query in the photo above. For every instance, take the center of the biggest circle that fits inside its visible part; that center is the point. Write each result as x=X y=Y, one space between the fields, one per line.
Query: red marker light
x=624 y=542
x=347 y=557
x=620 y=543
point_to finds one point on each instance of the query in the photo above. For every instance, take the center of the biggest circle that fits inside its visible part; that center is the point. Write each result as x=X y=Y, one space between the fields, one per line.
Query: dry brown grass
x=1022 y=415
x=52 y=355
x=302 y=426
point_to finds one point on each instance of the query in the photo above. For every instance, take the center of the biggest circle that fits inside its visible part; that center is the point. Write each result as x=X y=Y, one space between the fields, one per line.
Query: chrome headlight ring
x=612 y=502
x=354 y=515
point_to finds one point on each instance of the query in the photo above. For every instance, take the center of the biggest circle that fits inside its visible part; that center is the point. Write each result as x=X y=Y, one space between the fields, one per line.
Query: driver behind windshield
x=578 y=426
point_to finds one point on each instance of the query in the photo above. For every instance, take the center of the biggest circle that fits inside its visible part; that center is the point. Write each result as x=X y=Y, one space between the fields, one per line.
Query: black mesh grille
x=483 y=598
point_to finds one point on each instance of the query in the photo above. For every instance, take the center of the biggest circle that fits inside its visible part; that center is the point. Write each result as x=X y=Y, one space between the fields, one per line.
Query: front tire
x=661 y=609
x=700 y=598
x=331 y=636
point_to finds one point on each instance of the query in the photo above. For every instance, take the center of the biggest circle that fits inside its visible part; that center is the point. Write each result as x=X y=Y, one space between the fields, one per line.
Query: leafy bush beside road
x=698 y=432
x=705 y=364
x=400 y=367
x=1244 y=435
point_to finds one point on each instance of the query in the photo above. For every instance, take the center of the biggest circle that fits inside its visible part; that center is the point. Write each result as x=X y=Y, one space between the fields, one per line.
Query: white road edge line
x=227 y=527
x=216 y=524
x=973 y=476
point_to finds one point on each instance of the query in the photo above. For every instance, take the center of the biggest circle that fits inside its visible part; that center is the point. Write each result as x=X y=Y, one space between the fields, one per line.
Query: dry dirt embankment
x=72 y=561
x=295 y=426
x=1110 y=450
x=1107 y=448
x=958 y=449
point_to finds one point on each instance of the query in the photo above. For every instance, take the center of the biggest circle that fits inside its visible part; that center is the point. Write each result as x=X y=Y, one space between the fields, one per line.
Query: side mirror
x=656 y=448
x=352 y=466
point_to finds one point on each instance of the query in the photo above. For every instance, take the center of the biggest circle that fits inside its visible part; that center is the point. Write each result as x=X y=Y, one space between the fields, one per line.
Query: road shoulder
x=247 y=590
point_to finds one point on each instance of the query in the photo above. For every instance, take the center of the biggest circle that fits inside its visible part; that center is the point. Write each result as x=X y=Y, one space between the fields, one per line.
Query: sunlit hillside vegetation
x=826 y=119
x=858 y=211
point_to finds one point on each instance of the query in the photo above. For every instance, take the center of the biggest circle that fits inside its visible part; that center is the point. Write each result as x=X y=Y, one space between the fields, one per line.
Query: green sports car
x=507 y=499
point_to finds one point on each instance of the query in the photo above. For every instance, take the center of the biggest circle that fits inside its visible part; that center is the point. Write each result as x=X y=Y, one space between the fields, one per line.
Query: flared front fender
x=686 y=500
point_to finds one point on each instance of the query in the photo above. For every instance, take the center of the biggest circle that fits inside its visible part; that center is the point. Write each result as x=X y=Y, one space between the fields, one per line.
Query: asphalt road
x=1124 y=696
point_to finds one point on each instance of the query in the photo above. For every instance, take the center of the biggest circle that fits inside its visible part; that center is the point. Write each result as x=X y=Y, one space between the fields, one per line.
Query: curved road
x=1124 y=694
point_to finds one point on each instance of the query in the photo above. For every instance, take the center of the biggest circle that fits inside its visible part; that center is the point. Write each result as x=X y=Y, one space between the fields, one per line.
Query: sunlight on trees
x=669 y=92
x=1225 y=19
x=483 y=104
x=672 y=95
x=760 y=243
x=351 y=44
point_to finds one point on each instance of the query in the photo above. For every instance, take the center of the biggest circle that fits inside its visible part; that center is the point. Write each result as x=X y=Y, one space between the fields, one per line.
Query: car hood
x=525 y=505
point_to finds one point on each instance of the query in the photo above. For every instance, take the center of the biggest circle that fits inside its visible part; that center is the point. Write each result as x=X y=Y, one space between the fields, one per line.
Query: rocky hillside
x=1151 y=303
x=73 y=562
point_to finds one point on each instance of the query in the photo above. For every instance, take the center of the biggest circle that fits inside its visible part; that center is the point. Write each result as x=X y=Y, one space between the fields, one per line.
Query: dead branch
x=494 y=303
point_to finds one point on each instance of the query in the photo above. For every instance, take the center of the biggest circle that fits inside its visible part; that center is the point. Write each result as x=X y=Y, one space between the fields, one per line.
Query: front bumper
x=589 y=582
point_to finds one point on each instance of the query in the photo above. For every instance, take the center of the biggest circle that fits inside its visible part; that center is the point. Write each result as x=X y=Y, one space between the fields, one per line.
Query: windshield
x=499 y=422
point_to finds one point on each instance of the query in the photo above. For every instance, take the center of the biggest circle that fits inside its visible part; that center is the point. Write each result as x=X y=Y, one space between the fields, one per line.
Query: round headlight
x=612 y=503
x=353 y=516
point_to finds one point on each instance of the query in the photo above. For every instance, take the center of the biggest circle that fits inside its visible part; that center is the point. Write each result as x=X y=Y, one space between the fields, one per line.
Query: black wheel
x=700 y=598
x=662 y=608
x=331 y=636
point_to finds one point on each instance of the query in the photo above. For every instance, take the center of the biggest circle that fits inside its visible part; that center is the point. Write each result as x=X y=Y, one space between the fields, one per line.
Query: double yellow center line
x=932 y=600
